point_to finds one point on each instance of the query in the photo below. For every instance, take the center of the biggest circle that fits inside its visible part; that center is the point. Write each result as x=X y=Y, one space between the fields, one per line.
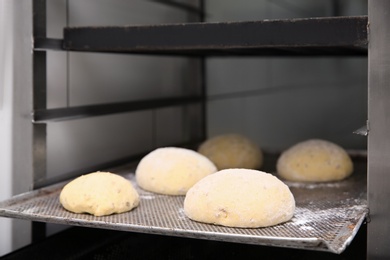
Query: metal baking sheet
x=327 y=215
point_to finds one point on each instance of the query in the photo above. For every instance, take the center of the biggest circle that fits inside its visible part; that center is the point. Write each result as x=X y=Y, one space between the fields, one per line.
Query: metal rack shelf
x=70 y=113
x=309 y=36
x=327 y=216
x=326 y=36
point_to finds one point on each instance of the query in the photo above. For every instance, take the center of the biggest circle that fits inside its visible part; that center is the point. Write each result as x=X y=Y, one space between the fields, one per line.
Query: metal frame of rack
x=39 y=102
x=372 y=30
x=378 y=233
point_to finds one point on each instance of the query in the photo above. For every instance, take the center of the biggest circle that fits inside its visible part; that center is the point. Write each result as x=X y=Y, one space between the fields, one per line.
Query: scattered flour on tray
x=147 y=197
x=312 y=219
x=309 y=185
x=32 y=210
x=182 y=215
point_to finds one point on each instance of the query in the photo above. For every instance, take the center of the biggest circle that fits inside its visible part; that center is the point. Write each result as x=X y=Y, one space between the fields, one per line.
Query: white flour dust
x=147 y=197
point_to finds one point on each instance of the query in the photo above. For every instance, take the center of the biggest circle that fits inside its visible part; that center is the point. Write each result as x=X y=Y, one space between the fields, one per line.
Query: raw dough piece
x=240 y=198
x=232 y=151
x=314 y=161
x=99 y=193
x=172 y=170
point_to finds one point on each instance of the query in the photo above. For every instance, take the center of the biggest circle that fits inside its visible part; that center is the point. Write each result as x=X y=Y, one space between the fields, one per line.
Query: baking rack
x=327 y=216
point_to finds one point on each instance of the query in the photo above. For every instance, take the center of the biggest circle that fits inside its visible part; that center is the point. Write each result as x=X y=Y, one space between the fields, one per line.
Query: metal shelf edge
x=344 y=34
x=78 y=112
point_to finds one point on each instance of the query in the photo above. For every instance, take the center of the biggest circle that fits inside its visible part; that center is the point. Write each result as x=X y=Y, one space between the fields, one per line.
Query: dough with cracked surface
x=99 y=194
x=240 y=198
x=314 y=160
x=172 y=170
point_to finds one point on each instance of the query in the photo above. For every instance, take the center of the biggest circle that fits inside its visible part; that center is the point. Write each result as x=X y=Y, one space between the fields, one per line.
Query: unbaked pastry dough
x=314 y=160
x=172 y=170
x=240 y=198
x=232 y=151
x=99 y=193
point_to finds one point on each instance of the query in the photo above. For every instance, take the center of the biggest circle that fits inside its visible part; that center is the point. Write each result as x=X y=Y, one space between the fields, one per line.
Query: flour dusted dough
x=232 y=151
x=240 y=198
x=99 y=193
x=172 y=170
x=314 y=161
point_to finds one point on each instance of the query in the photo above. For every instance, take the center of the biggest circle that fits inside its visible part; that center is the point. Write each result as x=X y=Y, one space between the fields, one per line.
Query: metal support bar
x=39 y=102
x=44 y=44
x=343 y=34
x=203 y=82
x=379 y=125
x=70 y=113
x=185 y=7
x=39 y=91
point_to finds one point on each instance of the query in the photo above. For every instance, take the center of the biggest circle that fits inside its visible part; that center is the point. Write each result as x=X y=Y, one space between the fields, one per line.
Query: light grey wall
x=15 y=109
x=280 y=101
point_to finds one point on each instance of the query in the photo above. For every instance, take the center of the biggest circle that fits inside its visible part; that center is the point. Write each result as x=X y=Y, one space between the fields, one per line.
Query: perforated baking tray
x=327 y=216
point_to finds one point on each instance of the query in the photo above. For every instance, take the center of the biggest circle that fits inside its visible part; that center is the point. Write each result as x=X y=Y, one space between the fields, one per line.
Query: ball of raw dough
x=172 y=170
x=314 y=161
x=240 y=198
x=99 y=193
x=232 y=151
